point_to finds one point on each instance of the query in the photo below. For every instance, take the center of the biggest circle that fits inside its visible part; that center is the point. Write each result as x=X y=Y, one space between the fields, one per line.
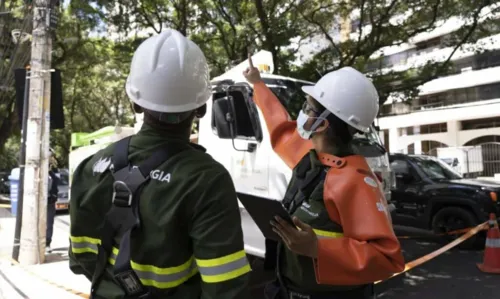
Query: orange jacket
x=369 y=250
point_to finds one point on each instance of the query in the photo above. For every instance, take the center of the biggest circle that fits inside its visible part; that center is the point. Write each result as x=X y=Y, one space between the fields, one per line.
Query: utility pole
x=32 y=250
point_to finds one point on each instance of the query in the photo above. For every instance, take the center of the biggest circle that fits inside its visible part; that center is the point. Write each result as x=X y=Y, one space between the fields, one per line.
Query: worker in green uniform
x=152 y=215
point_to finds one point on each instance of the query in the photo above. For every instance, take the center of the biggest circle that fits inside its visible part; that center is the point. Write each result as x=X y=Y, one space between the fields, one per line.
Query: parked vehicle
x=430 y=195
x=62 y=202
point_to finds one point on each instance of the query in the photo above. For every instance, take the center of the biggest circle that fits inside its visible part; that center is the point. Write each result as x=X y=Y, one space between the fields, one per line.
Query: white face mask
x=302 y=120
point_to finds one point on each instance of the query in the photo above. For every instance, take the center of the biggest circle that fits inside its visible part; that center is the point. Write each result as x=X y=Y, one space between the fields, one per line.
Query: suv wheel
x=455 y=218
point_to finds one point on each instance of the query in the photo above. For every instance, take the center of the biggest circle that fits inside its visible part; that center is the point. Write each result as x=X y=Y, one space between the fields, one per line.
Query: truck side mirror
x=224 y=116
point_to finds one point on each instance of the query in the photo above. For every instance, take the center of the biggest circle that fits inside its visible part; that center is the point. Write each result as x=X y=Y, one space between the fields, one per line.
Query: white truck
x=244 y=148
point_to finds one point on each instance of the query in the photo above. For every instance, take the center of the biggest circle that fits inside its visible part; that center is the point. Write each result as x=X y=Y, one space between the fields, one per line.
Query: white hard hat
x=349 y=95
x=169 y=73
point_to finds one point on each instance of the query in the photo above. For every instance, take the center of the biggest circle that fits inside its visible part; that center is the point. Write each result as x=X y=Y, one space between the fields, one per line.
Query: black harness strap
x=306 y=180
x=123 y=217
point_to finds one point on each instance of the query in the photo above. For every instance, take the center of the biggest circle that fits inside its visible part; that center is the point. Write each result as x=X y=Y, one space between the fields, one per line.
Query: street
x=453 y=274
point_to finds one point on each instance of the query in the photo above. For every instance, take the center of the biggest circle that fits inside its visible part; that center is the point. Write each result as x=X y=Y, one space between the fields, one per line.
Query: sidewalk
x=48 y=280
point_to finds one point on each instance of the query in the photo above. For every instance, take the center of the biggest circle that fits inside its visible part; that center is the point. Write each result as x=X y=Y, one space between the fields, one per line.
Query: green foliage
x=95 y=41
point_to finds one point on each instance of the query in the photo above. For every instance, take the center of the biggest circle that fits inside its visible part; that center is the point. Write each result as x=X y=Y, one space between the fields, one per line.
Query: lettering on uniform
x=160 y=175
x=101 y=165
x=306 y=208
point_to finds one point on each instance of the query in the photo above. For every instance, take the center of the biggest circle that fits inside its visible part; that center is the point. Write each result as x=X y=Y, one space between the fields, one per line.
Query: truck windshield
x=289 y=92
x=436 y=169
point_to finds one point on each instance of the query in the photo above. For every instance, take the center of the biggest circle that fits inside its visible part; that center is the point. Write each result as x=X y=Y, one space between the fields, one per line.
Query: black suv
x=430 y=195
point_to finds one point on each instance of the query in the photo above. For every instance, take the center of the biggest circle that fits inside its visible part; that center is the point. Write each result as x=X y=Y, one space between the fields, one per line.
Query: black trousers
x=51 y=215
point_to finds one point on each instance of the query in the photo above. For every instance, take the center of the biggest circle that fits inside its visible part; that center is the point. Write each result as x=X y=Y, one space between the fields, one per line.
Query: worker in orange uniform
x=345 y=240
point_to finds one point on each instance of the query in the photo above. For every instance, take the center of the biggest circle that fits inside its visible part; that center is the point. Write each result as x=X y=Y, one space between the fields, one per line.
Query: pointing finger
x=250 y=62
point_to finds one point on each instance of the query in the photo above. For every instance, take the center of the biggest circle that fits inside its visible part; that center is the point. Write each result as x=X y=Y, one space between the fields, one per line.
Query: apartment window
x=429 y=44
x=406 y=131
x=411 y=149
x=434 y=128
x=459 y=96
x=477 y=62
x=482 y=123
x=430 y=147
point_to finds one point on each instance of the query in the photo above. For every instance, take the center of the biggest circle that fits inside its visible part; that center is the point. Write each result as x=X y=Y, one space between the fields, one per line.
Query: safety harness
x=123 y=217
x=306 y=180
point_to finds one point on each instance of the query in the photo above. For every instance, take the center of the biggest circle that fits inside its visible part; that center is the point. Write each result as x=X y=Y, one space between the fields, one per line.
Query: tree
x=225 y=29
x=389 y=24
x=94 y=72
x=13 y=55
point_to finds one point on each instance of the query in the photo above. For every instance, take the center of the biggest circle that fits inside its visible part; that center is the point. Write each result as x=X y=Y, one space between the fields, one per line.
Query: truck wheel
x=454 y=218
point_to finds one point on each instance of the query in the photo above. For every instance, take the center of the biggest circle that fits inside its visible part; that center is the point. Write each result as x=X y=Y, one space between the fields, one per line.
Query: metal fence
x=482 y=160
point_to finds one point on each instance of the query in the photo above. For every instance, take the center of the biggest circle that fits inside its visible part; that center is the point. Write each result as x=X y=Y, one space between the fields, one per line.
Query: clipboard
x=262 y=211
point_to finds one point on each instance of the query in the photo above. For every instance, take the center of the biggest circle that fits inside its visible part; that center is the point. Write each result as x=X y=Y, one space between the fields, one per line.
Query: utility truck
x=235 y=134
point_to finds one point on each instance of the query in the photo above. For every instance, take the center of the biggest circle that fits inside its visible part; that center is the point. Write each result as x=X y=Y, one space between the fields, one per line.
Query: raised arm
x=285 y=140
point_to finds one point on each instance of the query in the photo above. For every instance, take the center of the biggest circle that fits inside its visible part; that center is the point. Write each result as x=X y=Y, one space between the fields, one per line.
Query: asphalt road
x=453 y=274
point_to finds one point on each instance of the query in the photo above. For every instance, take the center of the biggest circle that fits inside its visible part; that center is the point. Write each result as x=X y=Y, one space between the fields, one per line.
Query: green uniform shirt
x=190 y=244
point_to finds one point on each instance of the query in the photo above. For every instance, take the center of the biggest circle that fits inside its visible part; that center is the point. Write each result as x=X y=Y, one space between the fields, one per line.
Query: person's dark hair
x=175 y=122
x=338 y=131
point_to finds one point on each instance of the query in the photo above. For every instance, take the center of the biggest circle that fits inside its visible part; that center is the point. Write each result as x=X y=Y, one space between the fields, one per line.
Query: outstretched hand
x=252 y=74
x=303 y=241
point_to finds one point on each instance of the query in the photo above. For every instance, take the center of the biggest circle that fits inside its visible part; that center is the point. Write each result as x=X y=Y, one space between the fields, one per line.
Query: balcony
x=454 y=97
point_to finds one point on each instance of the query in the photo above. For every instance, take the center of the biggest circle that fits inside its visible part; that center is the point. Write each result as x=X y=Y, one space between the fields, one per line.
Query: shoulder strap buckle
x=123 y=193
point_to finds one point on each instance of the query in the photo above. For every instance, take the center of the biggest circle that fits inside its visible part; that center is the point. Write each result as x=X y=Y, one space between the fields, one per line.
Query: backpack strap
x=124 y=217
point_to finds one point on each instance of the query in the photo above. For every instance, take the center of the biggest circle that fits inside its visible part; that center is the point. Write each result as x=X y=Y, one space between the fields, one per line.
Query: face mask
x=301 y=121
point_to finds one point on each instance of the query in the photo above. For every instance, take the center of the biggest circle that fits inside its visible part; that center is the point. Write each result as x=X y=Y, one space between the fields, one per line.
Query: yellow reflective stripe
x=165 y=281
x=149 y=275
x=161 y=278
x=221 y=260
x=84 y=244
x=327 y=234
x=112 y=257
x=223 y=268
x=162 y=271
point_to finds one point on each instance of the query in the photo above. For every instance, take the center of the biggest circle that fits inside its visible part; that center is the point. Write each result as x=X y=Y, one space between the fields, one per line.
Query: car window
x=400 y=167
x=436 y=169
x=63 y=179
x=289 y=93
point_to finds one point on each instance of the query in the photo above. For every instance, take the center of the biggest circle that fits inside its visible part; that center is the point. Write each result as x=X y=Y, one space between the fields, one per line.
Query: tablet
x=262 y=211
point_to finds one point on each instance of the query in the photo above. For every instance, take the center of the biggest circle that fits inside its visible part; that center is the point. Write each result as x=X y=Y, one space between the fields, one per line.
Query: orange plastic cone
x=491 y=262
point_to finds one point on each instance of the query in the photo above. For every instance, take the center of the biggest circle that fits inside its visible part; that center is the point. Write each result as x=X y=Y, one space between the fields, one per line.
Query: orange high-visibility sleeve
x=369 y=250
x=285 y=140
